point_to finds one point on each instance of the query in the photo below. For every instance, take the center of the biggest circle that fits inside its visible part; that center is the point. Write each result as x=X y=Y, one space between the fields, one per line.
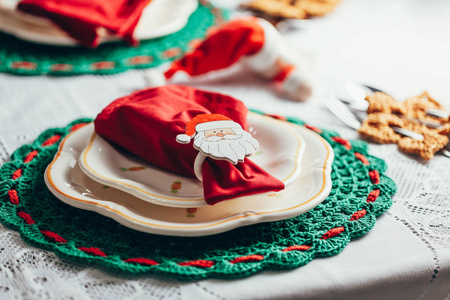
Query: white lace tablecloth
x=401 y=46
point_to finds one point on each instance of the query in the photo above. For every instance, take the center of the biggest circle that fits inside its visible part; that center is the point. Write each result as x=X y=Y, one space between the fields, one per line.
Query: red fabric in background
x=147 y=122
x=222 y=48
x=81 y=18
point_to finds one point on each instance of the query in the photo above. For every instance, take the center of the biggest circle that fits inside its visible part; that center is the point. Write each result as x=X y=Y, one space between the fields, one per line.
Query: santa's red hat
x=252 y=41
x=205 y=122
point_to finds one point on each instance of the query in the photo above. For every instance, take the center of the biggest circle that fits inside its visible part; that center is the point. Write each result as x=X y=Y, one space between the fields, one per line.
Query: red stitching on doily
x=373 y=195
x=194 y=43
x=343 y=142
x=53 y=236
x=17 y=173
x=26 y=217
x=374 y=176
x=140 y=60
x=93 y=251
x=103 y=65
x=297 y=247
x=362 y=158
x=170 y=53
x=25 y=65
x=51 y=140
x=197 y=263
x=141 y=261
x=332 y=233
x=248 y=258
x=77 y=126
x=313 y=128
x=13 y=197
x=61 y=67
x=358 y=215
x=30 y=156
x=277 y=117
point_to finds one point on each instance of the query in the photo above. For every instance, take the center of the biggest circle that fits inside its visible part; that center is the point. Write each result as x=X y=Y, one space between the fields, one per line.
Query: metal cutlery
x=363 y=106
x=430 y=124
x=342 y=112
x=437 y=113
x=358 y=93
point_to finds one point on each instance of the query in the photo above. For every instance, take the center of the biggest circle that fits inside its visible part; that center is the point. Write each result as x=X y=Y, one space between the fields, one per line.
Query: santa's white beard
x=216 y=138
x=233 y=148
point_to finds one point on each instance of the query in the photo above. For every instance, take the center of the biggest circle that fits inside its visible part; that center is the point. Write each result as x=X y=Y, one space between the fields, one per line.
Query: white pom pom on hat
x=183 y=138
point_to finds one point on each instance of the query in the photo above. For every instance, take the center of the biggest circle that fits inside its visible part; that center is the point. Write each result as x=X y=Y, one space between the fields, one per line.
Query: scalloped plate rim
x=146 y=192
x=320 y=172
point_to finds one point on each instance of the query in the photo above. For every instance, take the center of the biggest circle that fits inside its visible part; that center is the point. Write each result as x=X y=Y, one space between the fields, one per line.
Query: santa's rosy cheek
x=229 y=132
x=219 y=132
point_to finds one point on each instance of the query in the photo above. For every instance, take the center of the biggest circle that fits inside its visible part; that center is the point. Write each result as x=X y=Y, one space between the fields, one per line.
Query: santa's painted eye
x=215 y=131
x=221 y=131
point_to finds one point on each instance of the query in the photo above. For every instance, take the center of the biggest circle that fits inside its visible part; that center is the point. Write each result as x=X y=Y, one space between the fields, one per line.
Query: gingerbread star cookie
x=384 y=112
x=292 y=9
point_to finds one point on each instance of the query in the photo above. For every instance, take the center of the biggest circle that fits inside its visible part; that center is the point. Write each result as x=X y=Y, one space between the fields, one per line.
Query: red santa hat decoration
x=255 y=43
x=205 y=122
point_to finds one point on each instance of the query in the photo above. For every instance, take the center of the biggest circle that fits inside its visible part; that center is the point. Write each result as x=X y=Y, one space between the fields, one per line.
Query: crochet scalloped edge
x=327 y=243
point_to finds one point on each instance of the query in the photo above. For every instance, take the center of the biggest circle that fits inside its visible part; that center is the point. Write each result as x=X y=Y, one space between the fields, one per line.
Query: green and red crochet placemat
x=25 y=58
x=359 y=194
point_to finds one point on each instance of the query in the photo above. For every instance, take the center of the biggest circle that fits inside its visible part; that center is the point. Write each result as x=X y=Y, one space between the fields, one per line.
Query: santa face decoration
x=219 y=137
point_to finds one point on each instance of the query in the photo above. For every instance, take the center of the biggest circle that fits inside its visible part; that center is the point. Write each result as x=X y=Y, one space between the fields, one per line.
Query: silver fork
x=343 y=113
x=361 y=107
x=359 y=92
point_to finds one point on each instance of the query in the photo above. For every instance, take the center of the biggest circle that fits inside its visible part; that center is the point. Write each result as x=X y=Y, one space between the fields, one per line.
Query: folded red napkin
x=253 y=42
x=224 y=46
x=82 y=18
x=148 y=122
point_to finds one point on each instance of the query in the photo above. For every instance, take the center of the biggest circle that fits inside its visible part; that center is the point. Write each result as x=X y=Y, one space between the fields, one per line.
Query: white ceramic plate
x=279 y=153
x=67 y=182
x=159 y=18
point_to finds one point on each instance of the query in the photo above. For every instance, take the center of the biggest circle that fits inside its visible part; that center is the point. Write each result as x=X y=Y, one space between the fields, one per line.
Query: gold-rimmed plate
x=280 y=151
x=67 y=182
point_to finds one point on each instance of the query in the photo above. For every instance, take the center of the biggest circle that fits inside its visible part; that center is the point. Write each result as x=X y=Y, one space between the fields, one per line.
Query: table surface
x=400 y=46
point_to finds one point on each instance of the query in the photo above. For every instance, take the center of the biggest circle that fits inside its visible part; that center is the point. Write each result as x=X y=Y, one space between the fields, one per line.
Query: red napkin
x=147 y=123
x=223 y=47
x=82 y=18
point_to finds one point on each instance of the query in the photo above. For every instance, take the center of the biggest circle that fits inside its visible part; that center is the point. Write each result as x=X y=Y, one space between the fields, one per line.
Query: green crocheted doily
x=25 y=58
x=360 y=193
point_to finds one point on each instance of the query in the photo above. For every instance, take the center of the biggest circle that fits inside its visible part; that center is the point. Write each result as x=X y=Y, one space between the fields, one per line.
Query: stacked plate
x=90 y=173
x=159 y=18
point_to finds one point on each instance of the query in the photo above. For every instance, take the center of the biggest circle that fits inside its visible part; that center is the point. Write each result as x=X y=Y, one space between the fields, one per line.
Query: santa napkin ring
x=218 y=137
